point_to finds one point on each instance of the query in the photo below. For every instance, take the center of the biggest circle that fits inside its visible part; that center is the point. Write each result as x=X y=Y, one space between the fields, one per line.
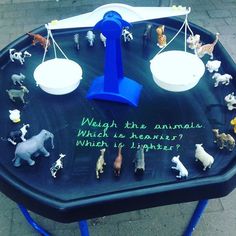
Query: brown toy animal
x=37 y=38
x=224 y=140
x=118 y=162
x=161 y=37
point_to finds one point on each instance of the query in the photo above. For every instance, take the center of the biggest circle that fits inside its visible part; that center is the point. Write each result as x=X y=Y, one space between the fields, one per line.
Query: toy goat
x=103 y=39
x=233 y=123
x=14 y=115
x=224 y=140
x=223 y=79
x=14 y=55
x=17 y=93
x=139 y=161
x=76 y=41
x=127 y=36
x=100 y=163
x=37 y=38
x=118 y=162
x=206 y=159
x=19 y=135
x=90 y=37
x=183 y=172
x=56 y=166
x=193 y=41
x=17 y=78
x=213 y=65
x=230 y=100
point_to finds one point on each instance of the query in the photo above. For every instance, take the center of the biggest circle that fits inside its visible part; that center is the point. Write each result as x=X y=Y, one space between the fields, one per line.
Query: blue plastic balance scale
x=113 y=86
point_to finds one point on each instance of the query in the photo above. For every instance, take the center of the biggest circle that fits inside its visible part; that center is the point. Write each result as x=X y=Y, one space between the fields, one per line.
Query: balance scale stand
x=113 y=86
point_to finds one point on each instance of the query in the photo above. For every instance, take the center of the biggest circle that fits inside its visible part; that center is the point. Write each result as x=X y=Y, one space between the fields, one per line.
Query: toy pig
x=139 y=160
x=118 y=162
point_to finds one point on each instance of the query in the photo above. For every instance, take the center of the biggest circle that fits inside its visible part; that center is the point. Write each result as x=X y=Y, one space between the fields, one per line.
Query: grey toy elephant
x=32 y=147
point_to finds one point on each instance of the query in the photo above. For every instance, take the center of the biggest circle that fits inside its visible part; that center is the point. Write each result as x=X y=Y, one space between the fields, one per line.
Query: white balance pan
x=58 y=76
x=177 y=70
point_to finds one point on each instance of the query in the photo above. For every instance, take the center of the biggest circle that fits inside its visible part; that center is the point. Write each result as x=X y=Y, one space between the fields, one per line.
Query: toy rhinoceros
x=32 y=147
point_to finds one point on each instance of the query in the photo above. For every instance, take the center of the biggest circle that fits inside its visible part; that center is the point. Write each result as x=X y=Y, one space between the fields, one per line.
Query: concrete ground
x=20 y=16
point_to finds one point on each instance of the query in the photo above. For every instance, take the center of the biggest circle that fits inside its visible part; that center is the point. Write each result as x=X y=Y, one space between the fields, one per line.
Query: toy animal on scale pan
x=100 y=163
x=223 y=79
x=17 y=78
x=56 y=166
x=118 y=162
x=19 y=56
x=139 y=161
x=37 y=38
x=206 y=159
x=32 y=147
x=224 y=140
x=202 y=50
x=161 y=37
x=183 y=172
x=213 y=65
x=230 y=100
x=17 y=93
x=90 y=37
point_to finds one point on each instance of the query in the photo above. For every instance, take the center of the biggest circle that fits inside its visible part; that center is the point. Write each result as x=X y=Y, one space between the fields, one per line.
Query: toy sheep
x=100 y=163
x=183 y=172
x=230 y=100
x=206 y=159
x=213 y=65
x=90 y=37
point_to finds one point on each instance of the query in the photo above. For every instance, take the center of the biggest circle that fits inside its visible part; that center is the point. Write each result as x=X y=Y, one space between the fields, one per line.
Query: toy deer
x=118 y=162
x=100 y=163
x=37 y=38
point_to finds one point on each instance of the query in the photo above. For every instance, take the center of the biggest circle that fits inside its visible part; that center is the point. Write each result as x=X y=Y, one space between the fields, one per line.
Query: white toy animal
x=17 y=78
x=230 y=100
x=127 y=36
x=224 y=79
x=57 y=165
x=213 y=65
x=100 y=163
x=183 y=172
x=18 y=135
x=206 y=159
x=193 y=41
x=14 y=115
x=91 y=37
x=14 y=55
x=103 y=39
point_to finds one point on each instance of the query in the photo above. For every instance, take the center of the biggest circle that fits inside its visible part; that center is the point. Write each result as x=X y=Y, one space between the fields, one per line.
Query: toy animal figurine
x=127 y=35
x=193 y=41
x=183 y=172
x=17 y=78
x=19 y=56
x=32 y=147
x=56 y=166
x=213 y=65
x=233 y=123
x=230 y=100
x=147 y=35
x=161 y=37
x=103 y=39
x=14 y=115
x=90 y=37
x=18 y=136
x=223 y=79
x=76 y=41
x=118 y=162
x=37 y=38
x=100 y=163
x=139 y=161
x=17 y=93
x=206 y=159
x=207 y=48
x=224 y=140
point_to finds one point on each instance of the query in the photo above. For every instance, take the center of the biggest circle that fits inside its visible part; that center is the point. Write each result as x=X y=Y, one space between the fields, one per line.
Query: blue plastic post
x=113 y=86
x=32 y=222
x=83 y=225
x=195 y=217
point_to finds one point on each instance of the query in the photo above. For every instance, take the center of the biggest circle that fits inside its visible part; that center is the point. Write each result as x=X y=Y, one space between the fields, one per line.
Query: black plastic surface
x=166 y=123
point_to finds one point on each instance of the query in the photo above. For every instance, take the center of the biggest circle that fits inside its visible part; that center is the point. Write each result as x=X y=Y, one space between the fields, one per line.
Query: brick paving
x=20 y=16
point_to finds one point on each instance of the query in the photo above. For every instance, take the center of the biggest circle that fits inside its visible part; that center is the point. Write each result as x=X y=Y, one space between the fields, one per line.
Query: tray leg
x=195 y=217
x=27 y=216
x=83 y=225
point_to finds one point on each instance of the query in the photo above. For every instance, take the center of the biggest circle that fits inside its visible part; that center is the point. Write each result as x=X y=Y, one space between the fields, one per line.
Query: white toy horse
x=91 y=37
x=223 y=79
x=14 y=55
x=213 y=65
x=103 y=39
x=230 y=100
x=127 y=36
x=183 y=172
